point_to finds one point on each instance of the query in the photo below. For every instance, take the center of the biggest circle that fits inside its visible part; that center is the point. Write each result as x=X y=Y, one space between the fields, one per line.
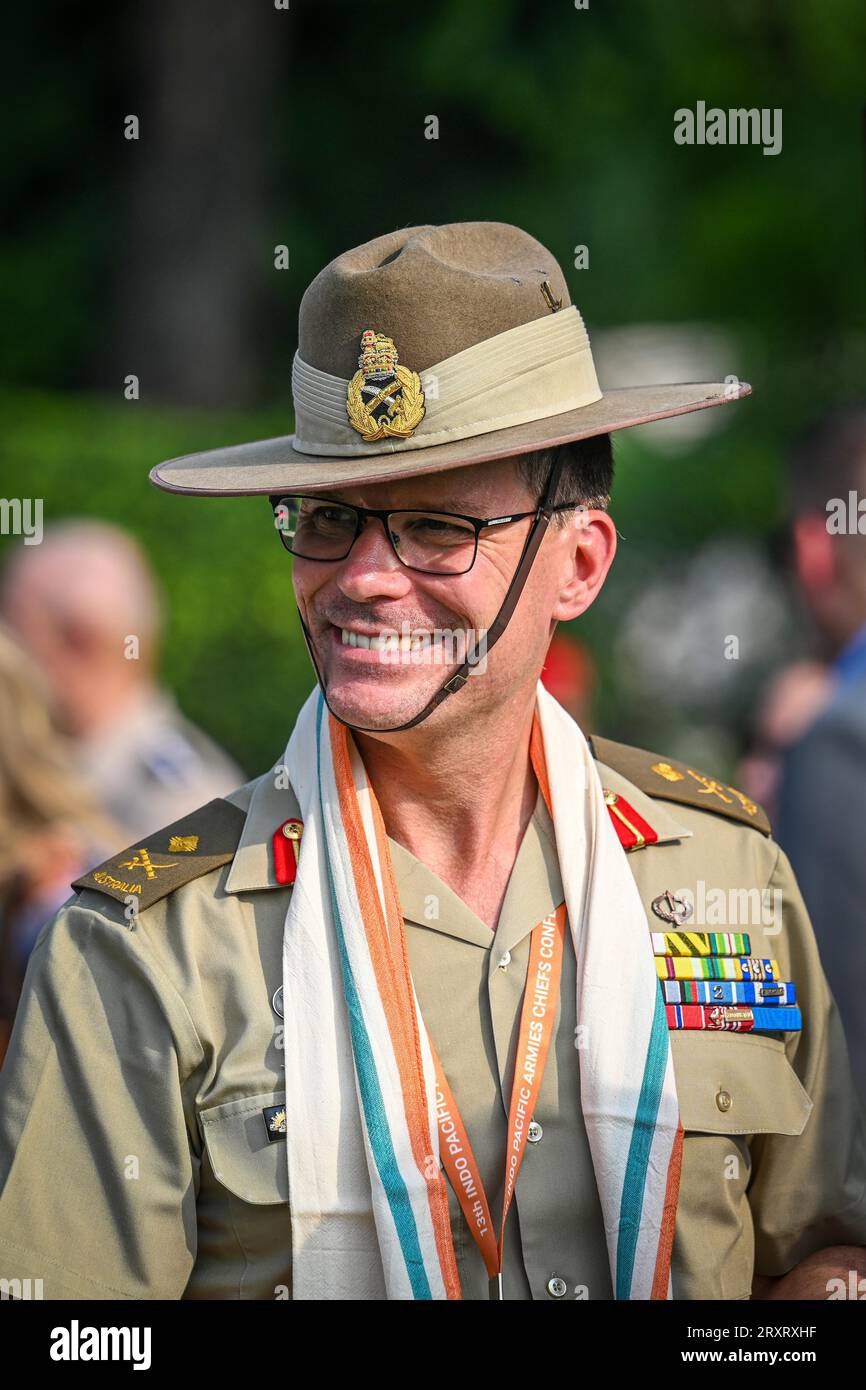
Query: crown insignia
x=384 y=398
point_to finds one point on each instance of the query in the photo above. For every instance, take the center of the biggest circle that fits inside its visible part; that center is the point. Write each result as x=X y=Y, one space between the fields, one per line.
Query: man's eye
x=330 y=519
x=436 y=528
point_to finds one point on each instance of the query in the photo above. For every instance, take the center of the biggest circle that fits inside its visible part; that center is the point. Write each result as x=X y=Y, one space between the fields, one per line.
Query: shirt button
x=556 y=1287
x=723 y=1100
x=505 y=961
x=534 y=1132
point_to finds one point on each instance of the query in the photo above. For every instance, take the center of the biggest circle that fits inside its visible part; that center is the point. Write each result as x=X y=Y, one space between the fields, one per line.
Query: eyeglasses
x=315 y=528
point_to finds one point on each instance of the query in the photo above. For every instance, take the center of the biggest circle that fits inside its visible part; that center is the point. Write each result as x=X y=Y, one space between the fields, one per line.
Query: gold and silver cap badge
x=384 y=398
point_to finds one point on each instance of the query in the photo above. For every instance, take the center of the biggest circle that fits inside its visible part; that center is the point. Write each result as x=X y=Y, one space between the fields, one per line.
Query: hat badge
x=384 y=398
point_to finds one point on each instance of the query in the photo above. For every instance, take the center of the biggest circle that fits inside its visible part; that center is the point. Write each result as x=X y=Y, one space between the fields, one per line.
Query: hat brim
x=274 y=465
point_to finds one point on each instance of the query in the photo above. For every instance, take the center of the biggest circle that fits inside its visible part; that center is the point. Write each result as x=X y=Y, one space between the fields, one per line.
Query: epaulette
x=674 y=781
x=157 y=864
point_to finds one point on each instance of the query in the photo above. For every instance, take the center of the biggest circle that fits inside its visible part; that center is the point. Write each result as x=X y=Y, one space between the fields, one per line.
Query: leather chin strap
x=494 y=632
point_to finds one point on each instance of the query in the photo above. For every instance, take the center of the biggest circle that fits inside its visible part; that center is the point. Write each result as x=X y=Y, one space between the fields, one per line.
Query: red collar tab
x=287 y=850
x=632 y=830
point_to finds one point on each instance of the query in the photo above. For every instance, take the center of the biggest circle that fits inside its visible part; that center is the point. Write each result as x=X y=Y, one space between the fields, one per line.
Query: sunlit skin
x=458 y=789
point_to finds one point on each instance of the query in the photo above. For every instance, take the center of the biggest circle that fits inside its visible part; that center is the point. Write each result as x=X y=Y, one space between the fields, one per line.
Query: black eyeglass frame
x=478 y=524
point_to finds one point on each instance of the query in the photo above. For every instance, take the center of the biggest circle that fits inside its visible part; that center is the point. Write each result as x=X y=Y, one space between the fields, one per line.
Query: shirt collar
x=534 y=888
x=654 y=811
x=268 y=802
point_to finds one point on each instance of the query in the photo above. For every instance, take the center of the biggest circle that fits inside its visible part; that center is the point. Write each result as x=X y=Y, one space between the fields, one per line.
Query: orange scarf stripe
x=669 y=1219
x=536 y=754
x=436 y=1192
x=370 y=905
x=396 y=1002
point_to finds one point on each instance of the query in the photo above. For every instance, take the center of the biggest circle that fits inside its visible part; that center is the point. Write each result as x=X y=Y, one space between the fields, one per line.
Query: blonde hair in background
x=40 y=789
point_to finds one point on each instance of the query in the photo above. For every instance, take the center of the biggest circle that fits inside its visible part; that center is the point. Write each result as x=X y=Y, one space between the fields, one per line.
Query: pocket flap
x=737 y=1083
x=242 y=1157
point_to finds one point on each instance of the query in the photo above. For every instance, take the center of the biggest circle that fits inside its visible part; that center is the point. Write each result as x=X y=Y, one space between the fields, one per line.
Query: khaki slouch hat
x=430 y=348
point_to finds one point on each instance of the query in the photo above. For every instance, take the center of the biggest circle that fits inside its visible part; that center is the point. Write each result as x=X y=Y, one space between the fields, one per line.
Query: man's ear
x=588 y=547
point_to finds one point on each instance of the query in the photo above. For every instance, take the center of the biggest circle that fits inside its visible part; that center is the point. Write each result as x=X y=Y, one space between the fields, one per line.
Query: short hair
x=586 y=477
x=829 y=459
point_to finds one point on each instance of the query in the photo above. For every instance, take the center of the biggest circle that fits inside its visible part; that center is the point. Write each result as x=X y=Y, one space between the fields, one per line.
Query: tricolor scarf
x=368 y=1201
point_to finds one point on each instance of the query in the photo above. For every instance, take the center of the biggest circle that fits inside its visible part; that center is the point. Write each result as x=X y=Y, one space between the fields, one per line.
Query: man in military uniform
x=145 y=1114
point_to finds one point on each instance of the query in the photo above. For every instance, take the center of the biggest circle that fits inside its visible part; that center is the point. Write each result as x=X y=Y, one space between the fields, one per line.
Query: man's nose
x=371 y=567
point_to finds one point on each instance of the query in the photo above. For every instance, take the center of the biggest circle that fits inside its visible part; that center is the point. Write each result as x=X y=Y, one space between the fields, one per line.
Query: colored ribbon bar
x=701 y=943
x=716 y=968
x=736 y=1019
x=728 y=992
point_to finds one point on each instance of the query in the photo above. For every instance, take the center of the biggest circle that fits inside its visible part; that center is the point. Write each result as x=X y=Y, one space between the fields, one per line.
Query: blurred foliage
x=560 y=120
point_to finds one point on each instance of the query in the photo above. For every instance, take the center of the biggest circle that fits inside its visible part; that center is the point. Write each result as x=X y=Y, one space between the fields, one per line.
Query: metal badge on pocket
x=274 y=1117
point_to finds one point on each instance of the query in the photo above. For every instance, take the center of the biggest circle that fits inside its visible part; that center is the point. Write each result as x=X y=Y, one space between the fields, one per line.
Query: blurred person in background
x=84 y=604
x=789 y=704
x=569 y=675
x=50 y=827
x=822 y=824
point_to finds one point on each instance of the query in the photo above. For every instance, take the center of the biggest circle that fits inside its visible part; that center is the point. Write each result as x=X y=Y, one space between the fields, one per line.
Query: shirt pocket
x=730 y=1087
x=737 y=1083
x=244 y=1239
x=244 y=1160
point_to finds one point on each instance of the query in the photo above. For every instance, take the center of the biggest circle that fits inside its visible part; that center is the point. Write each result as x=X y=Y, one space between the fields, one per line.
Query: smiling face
x=387 y=637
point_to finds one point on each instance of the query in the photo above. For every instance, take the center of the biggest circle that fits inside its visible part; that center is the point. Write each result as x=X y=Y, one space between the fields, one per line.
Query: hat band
x=538 y=369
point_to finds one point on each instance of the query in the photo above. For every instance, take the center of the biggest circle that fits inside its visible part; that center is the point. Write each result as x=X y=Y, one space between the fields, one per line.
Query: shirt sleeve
x=808 y=1191
x=98 y=1174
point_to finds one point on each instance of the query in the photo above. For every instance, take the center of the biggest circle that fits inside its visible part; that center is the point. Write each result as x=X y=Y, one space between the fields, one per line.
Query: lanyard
x=537 y=1020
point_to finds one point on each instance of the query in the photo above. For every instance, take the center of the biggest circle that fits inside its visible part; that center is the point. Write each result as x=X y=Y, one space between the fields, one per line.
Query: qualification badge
x=384 y=398
x=274 y=1117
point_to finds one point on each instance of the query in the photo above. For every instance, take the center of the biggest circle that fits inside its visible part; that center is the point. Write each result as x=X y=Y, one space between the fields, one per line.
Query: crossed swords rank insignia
x=142 y=860
x=384 y=398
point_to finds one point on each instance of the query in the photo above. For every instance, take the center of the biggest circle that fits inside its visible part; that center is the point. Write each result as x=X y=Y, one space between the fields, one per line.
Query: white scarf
x=369 y=1208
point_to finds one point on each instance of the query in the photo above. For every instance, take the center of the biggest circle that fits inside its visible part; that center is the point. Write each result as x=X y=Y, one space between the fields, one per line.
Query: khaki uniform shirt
x=134 y=1157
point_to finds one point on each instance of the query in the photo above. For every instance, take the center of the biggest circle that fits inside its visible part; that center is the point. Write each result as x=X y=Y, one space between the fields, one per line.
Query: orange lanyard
x=537 y=1019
